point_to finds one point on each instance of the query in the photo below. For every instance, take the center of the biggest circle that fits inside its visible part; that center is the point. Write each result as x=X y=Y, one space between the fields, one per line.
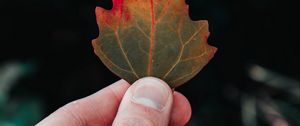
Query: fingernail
x=151 y=92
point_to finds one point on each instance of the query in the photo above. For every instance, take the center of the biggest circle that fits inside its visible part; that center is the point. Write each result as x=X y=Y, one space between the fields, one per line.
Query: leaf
x=141 y=38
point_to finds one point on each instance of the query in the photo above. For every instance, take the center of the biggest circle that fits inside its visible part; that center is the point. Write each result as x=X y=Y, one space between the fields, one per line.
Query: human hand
x=147 y=102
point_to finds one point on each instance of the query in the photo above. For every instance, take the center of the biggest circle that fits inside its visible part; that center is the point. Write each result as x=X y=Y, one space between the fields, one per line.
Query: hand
x=148 y=102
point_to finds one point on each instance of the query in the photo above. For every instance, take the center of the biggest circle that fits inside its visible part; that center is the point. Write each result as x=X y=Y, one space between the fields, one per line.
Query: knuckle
x=70 y=111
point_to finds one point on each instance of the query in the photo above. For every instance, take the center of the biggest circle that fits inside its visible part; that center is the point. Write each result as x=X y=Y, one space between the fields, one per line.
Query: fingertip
x=147 y=102
x=181 y=111
x=118 y=87
x=120 y=84
x=152 y=92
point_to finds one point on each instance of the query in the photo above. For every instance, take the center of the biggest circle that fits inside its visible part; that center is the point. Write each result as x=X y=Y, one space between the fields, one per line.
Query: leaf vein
x=142 y=31
x=177 y=61
x=140 y=47
x=188 y=74
x=112 y=63
x=181 y=51
x=124 y=54
x=195 y=57
x=164 y=11
x=194 y=35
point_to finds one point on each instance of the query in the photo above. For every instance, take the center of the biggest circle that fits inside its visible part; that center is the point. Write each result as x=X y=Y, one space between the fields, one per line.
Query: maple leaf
x=140 y=38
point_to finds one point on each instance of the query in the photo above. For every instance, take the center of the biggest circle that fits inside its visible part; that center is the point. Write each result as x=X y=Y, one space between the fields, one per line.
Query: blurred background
x=46 y=61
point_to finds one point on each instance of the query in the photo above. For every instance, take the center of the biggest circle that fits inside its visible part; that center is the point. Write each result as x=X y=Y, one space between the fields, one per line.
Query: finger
x=181 y=110
x=97 y=109
x=147 y=102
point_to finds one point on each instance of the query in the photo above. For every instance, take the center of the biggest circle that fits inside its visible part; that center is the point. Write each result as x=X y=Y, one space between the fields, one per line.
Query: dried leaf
x=141 y=38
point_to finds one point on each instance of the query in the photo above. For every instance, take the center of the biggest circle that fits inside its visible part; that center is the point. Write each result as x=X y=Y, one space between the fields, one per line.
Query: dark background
x=54 y=36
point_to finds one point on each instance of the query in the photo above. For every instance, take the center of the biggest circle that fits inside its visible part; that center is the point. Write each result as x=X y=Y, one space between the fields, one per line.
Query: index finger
x=97 y=109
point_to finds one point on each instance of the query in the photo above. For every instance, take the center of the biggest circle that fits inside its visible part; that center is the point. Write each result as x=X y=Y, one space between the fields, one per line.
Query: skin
x=113 y=106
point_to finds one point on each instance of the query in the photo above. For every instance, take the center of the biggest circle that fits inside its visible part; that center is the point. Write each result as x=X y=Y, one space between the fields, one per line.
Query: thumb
x=147 y=102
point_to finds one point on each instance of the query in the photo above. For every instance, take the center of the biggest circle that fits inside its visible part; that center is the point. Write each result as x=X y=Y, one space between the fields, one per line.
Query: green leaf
x=140 y=38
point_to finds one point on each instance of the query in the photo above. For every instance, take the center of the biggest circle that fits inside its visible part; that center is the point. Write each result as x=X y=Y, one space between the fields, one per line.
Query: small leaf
x=156 y=38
